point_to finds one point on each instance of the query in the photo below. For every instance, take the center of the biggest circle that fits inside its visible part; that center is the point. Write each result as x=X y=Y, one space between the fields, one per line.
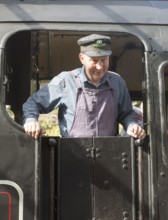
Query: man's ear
x=81 y=57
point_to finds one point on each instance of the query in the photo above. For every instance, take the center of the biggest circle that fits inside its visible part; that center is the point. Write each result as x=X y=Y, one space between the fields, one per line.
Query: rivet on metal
x=125 y=167
x=124 y=161
x=52 y=142
x=162 y=174
x=88 y=153
x=88 y=156
x=124 y=154
x=98 y=150
x=106 y=182
x=98 y=156
x=125 y=214
x=88 y=150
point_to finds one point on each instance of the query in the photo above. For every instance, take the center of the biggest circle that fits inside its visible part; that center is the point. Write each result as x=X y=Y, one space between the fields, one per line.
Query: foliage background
x=49 y=123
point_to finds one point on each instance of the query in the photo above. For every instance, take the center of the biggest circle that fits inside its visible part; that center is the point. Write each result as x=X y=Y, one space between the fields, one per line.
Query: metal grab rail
x=138 y=143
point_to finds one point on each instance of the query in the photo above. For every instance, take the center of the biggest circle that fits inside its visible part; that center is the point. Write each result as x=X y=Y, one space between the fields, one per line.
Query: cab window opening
x=47 y=53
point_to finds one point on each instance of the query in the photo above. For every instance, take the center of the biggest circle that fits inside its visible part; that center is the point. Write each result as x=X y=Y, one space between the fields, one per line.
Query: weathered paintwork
x=118 y=180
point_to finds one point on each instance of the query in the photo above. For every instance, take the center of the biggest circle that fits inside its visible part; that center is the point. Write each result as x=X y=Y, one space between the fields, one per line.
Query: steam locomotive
x=100 y=178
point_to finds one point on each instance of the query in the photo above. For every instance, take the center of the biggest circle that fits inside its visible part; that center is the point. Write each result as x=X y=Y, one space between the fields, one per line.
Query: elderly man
x=91 y=99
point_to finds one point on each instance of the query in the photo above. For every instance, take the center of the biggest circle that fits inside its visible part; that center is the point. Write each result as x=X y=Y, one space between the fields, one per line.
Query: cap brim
x=98 y=53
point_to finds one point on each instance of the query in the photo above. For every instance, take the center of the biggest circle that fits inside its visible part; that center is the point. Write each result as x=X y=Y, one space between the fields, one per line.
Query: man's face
x=95 y=67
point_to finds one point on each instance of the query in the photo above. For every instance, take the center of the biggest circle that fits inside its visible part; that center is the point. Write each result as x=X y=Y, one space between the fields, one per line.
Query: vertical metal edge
x=36 y=181
x=93 y=185
x=140 y=183
x=58 y=201
x=133 y=180
x=52 y=143
x=162 y=112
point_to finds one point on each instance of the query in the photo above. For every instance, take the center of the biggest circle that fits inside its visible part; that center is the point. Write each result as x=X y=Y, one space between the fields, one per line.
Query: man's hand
x=136 y=131
x=33 y=129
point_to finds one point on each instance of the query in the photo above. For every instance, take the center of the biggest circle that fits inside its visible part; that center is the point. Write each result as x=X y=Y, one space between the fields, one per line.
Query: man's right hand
x=33 y=129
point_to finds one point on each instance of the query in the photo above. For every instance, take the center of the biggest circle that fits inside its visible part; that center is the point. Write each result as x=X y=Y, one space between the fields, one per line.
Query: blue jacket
x=61 y=93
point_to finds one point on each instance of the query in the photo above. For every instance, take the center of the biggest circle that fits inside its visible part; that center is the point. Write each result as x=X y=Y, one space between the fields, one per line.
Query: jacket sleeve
x=44 y=100
x=126 y=115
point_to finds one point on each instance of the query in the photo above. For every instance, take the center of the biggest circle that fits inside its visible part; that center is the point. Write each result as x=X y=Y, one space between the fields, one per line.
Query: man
x=91 y=100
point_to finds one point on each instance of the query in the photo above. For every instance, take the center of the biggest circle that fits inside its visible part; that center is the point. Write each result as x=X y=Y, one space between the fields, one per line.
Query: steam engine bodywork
x=83 y=178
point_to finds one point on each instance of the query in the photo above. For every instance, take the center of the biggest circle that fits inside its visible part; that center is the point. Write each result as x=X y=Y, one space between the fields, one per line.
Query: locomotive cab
x=34 y=57
x=57 y=178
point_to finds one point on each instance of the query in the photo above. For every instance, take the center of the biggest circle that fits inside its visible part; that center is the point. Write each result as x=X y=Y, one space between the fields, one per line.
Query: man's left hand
x=136 y=131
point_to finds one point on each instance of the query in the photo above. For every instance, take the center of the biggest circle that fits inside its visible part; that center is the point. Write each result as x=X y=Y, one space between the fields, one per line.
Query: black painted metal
x=18 y=175
x=114 y=179
x=158 y=137
x=76 y=179
x=48 y=181
x=97 y=179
